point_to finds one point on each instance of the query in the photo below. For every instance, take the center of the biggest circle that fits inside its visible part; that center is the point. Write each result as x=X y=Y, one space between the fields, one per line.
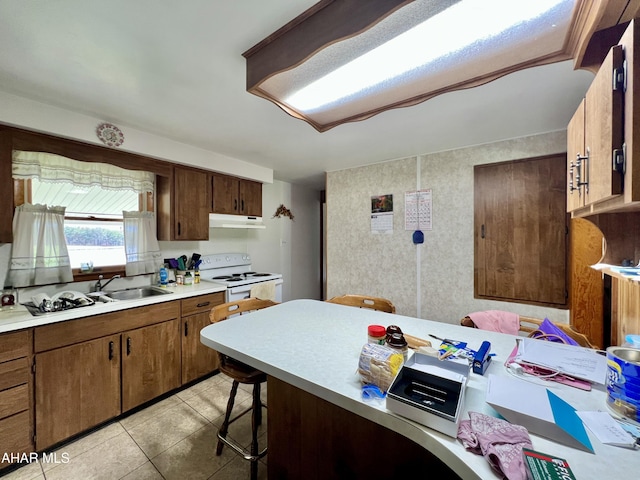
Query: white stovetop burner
x=232 y=270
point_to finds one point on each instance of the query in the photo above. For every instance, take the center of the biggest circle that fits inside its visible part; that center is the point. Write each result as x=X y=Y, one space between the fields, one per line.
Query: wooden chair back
x=529 y=325
x=238 y=307
x=236 y=370
x=365 y=301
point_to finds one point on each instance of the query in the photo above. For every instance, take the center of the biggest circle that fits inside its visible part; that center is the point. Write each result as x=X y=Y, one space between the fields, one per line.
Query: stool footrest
x=241 y=451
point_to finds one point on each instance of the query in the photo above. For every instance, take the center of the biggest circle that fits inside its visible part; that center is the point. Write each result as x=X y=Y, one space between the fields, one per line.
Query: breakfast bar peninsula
x=319 y=426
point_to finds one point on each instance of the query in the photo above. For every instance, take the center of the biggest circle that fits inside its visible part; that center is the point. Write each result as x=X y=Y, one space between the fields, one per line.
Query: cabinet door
x=150 y=362
x=77 y=387
x=604 y=130
x=575 y=150
x=251 y=198
x=191 y=202
x=197 y=359
x=225 y=195
x=521 y=231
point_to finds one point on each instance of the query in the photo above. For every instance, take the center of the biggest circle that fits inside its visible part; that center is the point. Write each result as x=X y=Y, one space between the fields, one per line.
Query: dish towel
x=264 y=290
x=499 y=441
x=497 y=321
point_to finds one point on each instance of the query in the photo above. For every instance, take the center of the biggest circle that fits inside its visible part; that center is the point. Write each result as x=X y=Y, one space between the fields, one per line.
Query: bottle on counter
x=188 y=278
x=164 y=276
x=196 y=276
x=399 y=343
x=9 y=298
x=376 y=334
x=391 y=329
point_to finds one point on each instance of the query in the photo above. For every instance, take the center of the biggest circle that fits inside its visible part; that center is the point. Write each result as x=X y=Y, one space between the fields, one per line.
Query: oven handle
x=247 y=288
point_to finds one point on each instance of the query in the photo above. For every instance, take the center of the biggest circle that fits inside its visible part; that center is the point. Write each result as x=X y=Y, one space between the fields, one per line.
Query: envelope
x=537 y=409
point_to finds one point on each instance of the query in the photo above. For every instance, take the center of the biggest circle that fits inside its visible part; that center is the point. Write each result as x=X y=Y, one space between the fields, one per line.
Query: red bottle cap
x=377 y=331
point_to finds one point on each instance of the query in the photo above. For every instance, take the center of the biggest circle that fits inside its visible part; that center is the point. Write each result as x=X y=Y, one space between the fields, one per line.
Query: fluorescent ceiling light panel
x=412 y=51
x=461 y=25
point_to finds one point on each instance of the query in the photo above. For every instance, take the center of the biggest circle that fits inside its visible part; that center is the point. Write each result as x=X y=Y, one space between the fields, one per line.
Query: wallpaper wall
x=433 y=280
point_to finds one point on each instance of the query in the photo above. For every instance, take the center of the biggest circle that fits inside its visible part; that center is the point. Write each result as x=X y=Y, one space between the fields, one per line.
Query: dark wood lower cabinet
x=197 y=359
x=311 y=438
x=77 y=387
x=150 y=363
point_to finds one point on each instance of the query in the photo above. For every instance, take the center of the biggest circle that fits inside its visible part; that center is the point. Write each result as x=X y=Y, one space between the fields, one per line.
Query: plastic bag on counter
x=378 y=365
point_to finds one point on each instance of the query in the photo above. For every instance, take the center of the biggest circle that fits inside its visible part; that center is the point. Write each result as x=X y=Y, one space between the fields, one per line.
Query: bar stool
x=241 y=373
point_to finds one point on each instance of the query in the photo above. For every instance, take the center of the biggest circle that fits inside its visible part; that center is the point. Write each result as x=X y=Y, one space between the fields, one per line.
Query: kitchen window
x=94 y=194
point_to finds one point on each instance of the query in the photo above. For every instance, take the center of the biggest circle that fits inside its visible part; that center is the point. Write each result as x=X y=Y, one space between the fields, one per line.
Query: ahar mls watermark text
x=33 y=457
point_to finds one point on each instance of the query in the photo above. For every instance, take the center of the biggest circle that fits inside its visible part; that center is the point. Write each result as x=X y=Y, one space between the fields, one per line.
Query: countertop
x=19 y=317
x=315 y=346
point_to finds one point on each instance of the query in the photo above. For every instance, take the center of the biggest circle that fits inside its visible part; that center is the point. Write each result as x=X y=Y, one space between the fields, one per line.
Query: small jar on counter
x=399 y=343
x=376 y=334
x=188 y=279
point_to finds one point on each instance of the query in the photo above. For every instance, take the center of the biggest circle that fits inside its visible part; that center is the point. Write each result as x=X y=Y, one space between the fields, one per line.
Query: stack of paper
x=578 y=362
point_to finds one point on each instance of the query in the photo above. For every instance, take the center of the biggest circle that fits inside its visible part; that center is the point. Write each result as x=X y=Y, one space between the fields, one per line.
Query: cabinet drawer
x=14 y=373
x=15 y=434
x=14 y=400
x=15 y=345
x=202 y=303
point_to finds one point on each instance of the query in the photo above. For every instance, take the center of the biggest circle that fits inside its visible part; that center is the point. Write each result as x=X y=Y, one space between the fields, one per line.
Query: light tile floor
x=172 y=439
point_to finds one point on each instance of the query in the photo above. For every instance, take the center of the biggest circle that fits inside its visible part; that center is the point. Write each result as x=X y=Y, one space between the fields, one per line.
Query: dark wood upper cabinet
x=191 y=196
x=236 y=196
x=520 y=237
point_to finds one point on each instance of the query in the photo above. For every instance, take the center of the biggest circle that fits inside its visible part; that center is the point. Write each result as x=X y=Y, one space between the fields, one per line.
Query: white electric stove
x=234 y=271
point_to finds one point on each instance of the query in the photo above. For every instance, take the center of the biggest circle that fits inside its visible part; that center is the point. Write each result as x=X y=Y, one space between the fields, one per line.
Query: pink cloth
x=499 y=441
x=497 y=321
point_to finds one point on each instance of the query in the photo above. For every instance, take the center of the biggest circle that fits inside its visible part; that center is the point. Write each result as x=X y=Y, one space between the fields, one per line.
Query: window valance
x=54 y=168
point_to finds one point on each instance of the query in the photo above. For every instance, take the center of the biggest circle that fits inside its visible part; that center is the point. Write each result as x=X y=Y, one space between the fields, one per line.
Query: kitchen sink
x=136 y=293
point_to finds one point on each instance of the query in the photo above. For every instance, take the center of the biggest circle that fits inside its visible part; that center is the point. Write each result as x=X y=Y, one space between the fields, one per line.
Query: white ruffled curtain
x=140 y=243
x=39 y=253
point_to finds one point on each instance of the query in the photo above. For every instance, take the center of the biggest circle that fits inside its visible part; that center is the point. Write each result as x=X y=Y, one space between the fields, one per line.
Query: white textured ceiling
x=175 y=69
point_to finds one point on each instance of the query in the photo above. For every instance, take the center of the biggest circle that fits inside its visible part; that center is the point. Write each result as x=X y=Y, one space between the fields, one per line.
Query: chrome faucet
x=98 y=287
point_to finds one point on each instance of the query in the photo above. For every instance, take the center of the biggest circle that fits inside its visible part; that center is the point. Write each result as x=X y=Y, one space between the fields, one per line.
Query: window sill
x=108 y=271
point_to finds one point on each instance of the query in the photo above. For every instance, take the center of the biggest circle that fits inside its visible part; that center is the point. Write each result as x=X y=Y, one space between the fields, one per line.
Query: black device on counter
x=482 y=358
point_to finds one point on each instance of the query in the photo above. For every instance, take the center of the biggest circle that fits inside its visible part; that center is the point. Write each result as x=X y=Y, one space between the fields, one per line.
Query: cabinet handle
x=128 y=346
x=235 y=204
x=186 y=329
x=110 y=350
x=482 y=231
x=203 y=304
x=242 y=203
x=179 y=229
x=579 y=173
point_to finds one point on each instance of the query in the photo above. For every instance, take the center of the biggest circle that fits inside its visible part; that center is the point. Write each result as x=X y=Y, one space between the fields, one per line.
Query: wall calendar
x=418 y=210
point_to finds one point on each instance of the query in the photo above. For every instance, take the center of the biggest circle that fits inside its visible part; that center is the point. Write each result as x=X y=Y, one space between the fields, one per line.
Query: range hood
x=219 y=220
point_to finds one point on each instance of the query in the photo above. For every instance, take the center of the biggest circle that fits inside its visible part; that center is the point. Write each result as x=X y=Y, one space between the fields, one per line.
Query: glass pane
x=94 y=242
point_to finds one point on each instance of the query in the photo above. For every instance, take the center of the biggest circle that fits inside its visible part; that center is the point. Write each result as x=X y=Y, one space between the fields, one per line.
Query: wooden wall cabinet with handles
x=236 y=196
x=606 y=129
x=184 y=202
x=595 y=138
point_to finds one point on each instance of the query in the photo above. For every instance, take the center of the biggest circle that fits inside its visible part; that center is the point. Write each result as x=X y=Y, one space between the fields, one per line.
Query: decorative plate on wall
x=110 y=135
